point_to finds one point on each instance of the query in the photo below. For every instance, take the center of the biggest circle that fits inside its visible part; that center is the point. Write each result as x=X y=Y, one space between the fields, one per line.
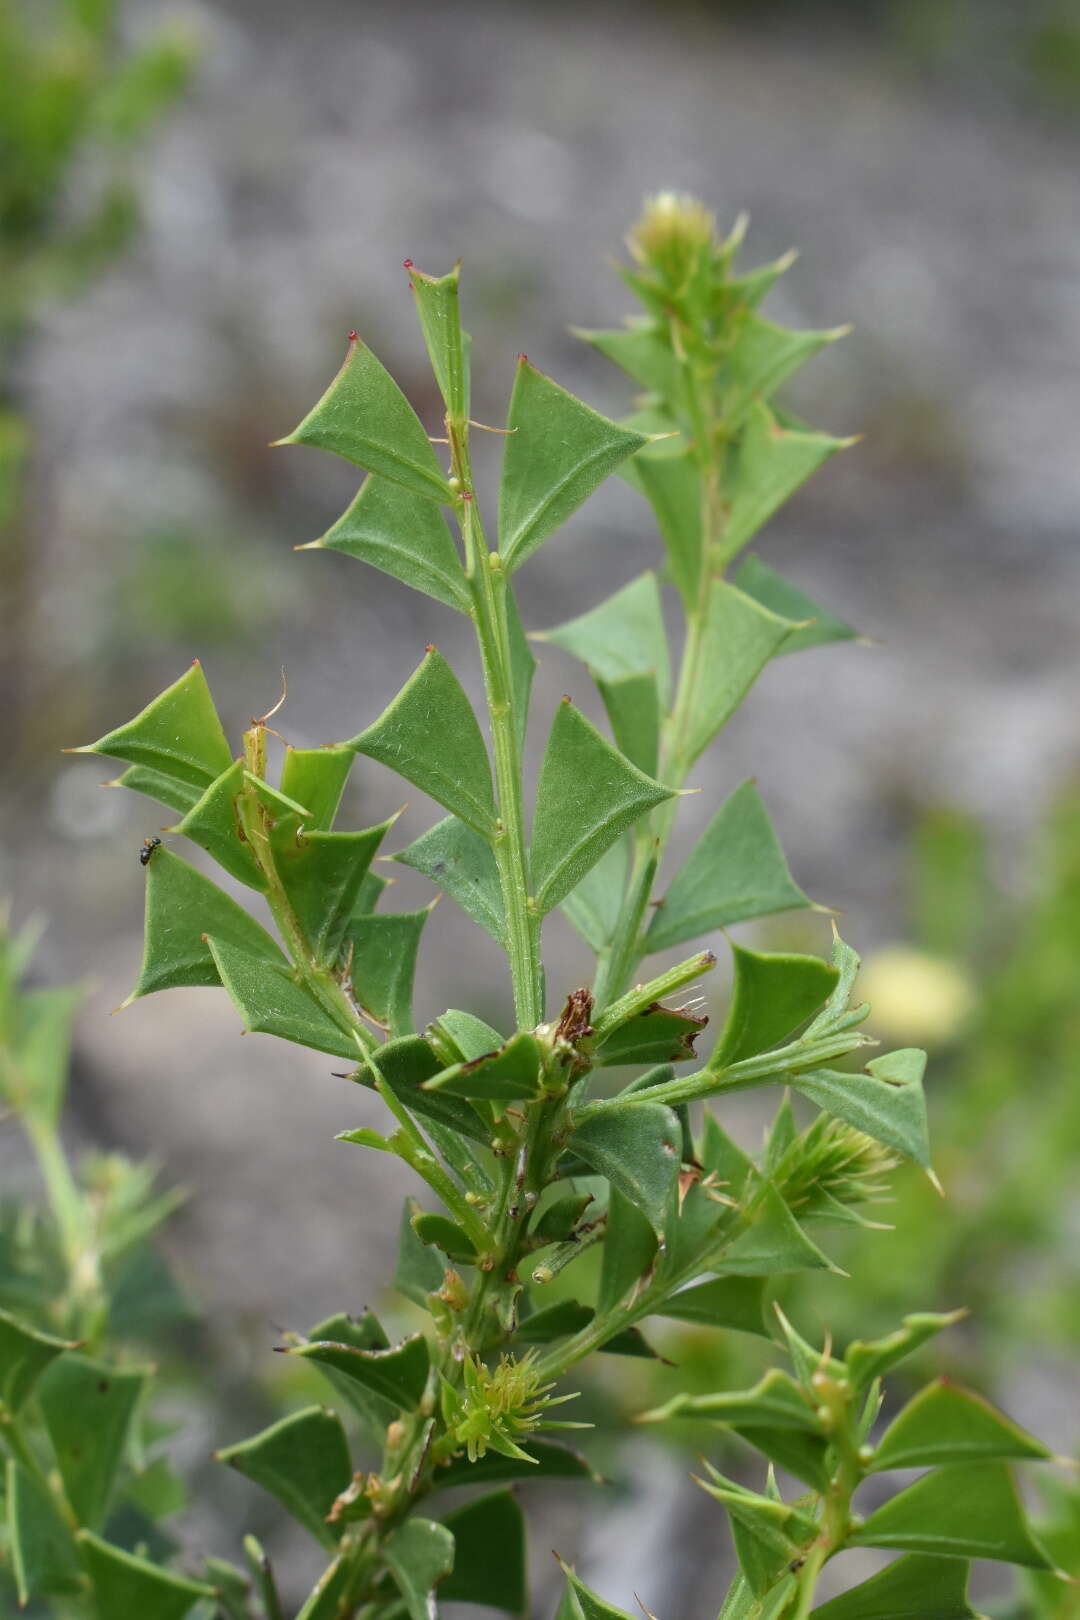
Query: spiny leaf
x=461 y=863
x=640 y=351
x=511 y=1072
x=629 y=1249
x=43 y=1554
x=88 y=1410
x=594 y=906
x=315 y=778
x=738 y=638
x=321 y=873
x=775 y=1242
x=768 y=1534
x=182 y=907
x=886 y=1102
x=383 y=965
x=430 y=735
x=489 y=1554
x=420 y=1554
x=778 y=594
x=766 y=355
x=633 y=710
x=726 y=1302
x=213 y=823
x=568 y=1316
x=966 y=1511
x=588 y=794
x=872 y=1359
x=438 y=305
x=774 y=993
x=303 y=1461
x=402 y=534
x=770 y=465
x=915 y=1587
x=404 y=1065
x=452 y=1239
x=126 y=1585
x=624 y=635
x=637 y=1149
x=945 y=1424
x=585 y=1604
x=659 y=1034
x=327 y=1595
x=522 y=667
x=775 y=1402
x=25 y=1353
x=398 y=1375
x=557 y=453
x=672 y=486
x=179 y=796
x=544 y=1459
x=419 y=1272
x=735 y=872
x=178 y=735
x=271 y=1001
x=366 y=419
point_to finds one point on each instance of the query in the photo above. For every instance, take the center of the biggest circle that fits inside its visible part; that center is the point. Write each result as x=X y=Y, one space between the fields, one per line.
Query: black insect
x=148 y=847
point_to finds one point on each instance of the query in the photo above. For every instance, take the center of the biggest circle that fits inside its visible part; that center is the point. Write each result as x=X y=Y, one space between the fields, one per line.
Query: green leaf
x=588 y=794
x=916 y=1587
x=365 y=418
x=768 y=1534
x=405 y=1064
x=326 y=1597
x=430 y=735
x=315 y=778
x=438 y=1232
x=568 y=1316
x=944 y=1424
x=765 y=355
x=88 y=1410
x=595 y=905
x=363 y=1333
x=775 y=1242
x=642 y=353
x=770 y=465
x=438 y=305
x=632 y=704
x=303 y=1461
x=522 y=667
x=623 y=636
x=672 y=486
x=25 y=1353
x=322 y=873
x=558 y=452
x=182 y=907
x=126 y=1585
x=872 y=1359
x=43 y=1554
x=657 y=1035
x=738 y=638
x=726 y=1302
x=966 y=1511
x=461 y=863
x=398 y=1375
x=511 y=1072
x=735 y=872
x=489 y=1554
x=419 y=1555
x=214 y=824
x=775 y=1417
x=586 y=1604
x=548 y=1461
x=773 y=995
x=778 y=594
x=383 y=966
x=270 y=1001
x=637 y=1149
x=629 y=1249
x=179 y=796
x=178 y=736
x=404 y=535
x=886 y=1102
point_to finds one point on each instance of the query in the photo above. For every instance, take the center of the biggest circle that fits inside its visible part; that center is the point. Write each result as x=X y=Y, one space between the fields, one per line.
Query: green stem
x=488 y=585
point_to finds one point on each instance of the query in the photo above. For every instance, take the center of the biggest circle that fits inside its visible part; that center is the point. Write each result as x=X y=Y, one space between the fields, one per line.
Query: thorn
x=354 y=337
x=430 y=648
x=523 y=359
x=310 y=545
x=932 y=1178
x=406 y=264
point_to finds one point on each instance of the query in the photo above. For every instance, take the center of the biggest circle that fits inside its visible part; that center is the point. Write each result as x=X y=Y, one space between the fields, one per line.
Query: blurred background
x=198 y=200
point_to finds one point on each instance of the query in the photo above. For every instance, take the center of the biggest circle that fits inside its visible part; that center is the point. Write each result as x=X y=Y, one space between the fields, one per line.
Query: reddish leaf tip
x=407 y=264
x=430 y=648
x=566 y=698
x=354 y=337
x=523 y=359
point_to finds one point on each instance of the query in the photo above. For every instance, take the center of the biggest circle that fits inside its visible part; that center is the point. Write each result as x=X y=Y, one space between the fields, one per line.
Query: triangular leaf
x=966 y=1511
x=640 y=351
x=126 y=1585
x=587 y=1605
x=383 y=964
x=489 y=1554
x=326 y=1597
x=771 y=464
x=735 y=872
x=637 y=1148
x=595 y=905
x=181 y=907
x=588 y=794
x=511 y=1072
x=773 y=995
x=178 y=735
x=366 y=419
x=624 y=635
x=402 y=534
x=43 y=1554
x=916 y=1587
x=25 y=1353
x=544 y=1459
x=886 y=1102
x=315 y=778
x=404 y=1065
x=778 y=594
x=633 y=710
x=438 y=1232
x=438 y=305
x=765 y=355
x=461 y=863
x=725 y=1302
x=419 y=1272
x=321 y=873
x=738 y=639
x=866 y=1361
x=945 y=1424
x=271 y=1001
x=672 y=486
x=88 y=1410
x=303 y=1461
x=214 y=824
x=775 y=1242
x=398 y=1375
x=430 y=735
x=420 y=1554
x=557 y=453
x=629 y=1249
x=658 y=1035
